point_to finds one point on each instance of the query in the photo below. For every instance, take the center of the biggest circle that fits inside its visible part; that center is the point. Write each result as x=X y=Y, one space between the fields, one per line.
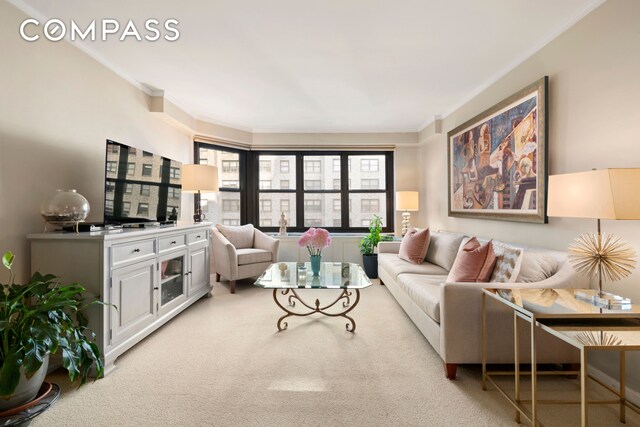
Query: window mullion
x=299 y=191
x=344 y=190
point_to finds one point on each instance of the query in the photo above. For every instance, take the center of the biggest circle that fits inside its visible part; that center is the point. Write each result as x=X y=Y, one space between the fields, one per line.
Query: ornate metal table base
x=345 y=298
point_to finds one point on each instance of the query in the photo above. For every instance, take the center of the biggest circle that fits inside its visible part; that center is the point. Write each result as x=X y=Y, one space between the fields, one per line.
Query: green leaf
x=9 y=375
x=7 y=259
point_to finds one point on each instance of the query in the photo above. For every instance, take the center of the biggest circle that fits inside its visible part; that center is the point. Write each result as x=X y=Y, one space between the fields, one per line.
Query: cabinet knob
x=136 y=250
x=173 y=242
x=198 y=236
x=156 y=288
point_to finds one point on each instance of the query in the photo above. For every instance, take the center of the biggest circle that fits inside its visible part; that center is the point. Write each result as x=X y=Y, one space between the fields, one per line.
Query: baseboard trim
x=631 y=395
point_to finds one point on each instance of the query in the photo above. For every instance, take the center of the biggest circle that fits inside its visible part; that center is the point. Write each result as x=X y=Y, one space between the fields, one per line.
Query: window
x=231 y=205
x=229 y=166
x=284 y=166
x=126 y=208
x=312 y=184
x=370 y=184
x=266 y=222
x=143 y=209
x=337 y=223
x=111 y=164
x=108 y=207
x=146 y=169
x=174 y=193
x=312 y=166
x=225 y=206
x=113 y=148
x=133 y=151
x=336 y=184
x=110 y=187
x=312 y=205
x=265 y=166
x=284 y=184
x=284 y=205
x=336 y=165
x=337 y=205
x=128 y=189
x=369 y=165
x=230 y=183
x=174 y=173
x=170 y=210
x=145 y=190
x=365 y=222
x=312 y=222
x=370 y=205
x=147 y=154
x=265 y=185
x=131 y=168
x=265 y=205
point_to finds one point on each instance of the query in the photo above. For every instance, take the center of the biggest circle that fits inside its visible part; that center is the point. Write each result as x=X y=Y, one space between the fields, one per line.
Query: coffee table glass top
x=333 y=275
x=559 y=303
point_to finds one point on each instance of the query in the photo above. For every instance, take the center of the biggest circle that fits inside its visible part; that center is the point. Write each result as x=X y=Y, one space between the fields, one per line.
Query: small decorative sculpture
x=283 y=225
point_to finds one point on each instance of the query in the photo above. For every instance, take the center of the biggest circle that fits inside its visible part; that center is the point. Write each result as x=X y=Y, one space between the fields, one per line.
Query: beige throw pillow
x=414 y=245
x=240 y=237
x=474 y=263
x=508 y=262
x=536 y=267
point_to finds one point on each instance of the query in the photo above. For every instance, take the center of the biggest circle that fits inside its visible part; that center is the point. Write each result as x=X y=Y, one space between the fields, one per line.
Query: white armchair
x=241 y=252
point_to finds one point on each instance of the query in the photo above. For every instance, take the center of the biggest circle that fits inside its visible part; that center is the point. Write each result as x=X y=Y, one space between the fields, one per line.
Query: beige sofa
x=449 y=314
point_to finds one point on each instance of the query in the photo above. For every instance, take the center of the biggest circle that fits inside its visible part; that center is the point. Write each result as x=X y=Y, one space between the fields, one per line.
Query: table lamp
x=197 y=179
x=407 y=201
x=598 y=194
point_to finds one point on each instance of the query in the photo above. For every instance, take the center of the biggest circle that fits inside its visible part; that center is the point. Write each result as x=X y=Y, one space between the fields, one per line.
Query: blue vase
x=315 y=264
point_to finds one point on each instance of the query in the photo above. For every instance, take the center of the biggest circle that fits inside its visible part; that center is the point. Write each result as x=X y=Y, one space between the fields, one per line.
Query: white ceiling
x=323 y=65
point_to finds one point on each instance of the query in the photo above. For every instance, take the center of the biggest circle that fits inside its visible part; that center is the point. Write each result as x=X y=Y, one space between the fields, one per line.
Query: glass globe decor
x=64 y=208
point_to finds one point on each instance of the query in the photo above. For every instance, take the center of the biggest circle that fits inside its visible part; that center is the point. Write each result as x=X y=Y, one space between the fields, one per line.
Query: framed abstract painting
x=498 y=160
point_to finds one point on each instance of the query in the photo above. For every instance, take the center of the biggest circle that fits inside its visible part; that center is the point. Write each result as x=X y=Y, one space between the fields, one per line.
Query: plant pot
x=315 y=264
x=27 y=388
x=370 y=263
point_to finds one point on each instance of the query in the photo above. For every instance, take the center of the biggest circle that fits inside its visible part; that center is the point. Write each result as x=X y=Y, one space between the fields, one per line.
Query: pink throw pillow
x=474 y=262
x=414 y=245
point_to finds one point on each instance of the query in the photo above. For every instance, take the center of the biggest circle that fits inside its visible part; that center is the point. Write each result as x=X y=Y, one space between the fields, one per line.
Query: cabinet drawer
x=198 y=236
x=125 y=253
x=172 y=242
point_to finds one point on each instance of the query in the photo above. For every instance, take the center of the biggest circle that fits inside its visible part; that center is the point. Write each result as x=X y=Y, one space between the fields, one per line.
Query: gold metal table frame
x=548 y=322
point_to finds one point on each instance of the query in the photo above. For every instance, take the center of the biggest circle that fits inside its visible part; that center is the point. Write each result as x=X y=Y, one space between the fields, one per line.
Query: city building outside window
x=146 y=169
x=284 y=166
x=143 y=209
x=145 y=190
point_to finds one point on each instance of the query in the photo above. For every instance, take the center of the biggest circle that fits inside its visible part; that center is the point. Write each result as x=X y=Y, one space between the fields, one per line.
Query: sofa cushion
x=239 y=236
x=443 y=248
x=508 y=262
x=393 y=265
x=252 y=256
x=424 y=290
x=537 y=266
x=414 y=245
x=474 y=263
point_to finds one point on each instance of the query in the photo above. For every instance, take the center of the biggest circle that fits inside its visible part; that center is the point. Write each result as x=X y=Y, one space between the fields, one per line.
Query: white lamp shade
x=407 y=201
x=603 y=194
x=203 y=178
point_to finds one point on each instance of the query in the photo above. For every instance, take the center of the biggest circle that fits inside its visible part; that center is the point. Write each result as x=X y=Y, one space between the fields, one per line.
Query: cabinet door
x=173 y=279
x=132 y=290
x=199 y=269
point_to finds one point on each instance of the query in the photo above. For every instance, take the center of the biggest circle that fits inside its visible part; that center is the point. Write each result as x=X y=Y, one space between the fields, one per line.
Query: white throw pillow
x=241 y=237
x=508 y=263
x=537 y=266
x=443 y=248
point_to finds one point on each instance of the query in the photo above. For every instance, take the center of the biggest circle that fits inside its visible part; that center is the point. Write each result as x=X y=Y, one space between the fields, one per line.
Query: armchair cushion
x=239 y=236
x=253 y=256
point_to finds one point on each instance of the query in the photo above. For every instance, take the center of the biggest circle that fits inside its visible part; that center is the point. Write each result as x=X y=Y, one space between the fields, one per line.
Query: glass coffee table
x=287 y=278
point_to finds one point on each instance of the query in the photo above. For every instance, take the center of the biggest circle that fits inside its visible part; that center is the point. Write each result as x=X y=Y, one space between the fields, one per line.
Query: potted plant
x=40 y=318
x=368 y=246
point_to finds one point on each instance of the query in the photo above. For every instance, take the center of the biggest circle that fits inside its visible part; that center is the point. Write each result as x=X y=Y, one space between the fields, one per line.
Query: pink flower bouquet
x=315 y=240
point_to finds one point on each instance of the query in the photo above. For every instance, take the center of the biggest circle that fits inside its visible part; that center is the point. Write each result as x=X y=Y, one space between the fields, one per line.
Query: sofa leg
x=232 y=286
x=217 y=277
x=450 y=370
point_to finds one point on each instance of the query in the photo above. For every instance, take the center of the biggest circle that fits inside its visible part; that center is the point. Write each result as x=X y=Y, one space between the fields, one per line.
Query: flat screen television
x=140 y=186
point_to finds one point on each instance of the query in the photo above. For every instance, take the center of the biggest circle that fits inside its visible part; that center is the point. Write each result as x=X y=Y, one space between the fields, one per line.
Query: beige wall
x=58 y=107
x=594 y=112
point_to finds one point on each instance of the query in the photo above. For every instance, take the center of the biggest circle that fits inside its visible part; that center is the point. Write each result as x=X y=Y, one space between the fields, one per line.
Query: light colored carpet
x=222 y=362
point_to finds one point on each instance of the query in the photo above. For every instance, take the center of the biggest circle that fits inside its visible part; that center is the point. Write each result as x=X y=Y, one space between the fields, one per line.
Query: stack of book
x=605 y=300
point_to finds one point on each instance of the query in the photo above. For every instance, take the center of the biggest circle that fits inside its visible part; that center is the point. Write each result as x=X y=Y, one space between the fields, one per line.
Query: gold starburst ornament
x=602 y=255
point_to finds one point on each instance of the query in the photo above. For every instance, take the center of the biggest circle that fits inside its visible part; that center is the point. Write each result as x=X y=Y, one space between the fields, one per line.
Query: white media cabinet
x=149 y=274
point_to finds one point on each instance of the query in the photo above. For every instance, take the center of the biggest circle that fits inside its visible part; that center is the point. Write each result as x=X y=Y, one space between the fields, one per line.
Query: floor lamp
x=407 y=201
x=598 y=194
x=197 y=179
